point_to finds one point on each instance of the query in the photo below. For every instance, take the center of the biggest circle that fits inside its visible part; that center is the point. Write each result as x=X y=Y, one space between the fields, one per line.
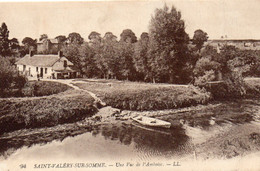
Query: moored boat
x=148 y=121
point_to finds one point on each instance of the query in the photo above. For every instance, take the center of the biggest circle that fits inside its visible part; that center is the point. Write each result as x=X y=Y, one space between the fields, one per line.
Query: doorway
x=41 y=72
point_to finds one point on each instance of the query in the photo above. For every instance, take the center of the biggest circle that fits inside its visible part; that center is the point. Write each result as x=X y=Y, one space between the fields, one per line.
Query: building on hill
x=47 y=66
x=48 y=46
x=244 y=44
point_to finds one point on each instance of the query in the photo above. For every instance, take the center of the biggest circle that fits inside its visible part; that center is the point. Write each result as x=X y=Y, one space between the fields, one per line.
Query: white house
x=47 y=66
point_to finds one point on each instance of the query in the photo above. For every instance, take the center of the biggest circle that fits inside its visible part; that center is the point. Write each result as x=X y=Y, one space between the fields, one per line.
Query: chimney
x=60 y=53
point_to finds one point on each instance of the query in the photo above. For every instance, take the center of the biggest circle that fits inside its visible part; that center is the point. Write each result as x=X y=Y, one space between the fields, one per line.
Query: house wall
x=32 y=71
x=48 y=48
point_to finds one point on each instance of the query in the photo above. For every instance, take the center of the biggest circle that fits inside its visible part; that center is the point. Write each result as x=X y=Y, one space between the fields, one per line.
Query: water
x=202 y=133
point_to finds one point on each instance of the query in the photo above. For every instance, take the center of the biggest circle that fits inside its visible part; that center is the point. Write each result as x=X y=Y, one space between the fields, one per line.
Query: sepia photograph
x=130 y=85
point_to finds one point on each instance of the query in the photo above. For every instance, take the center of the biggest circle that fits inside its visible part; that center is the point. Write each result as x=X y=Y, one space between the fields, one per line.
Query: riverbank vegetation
x=145 y=96
x=66 y=107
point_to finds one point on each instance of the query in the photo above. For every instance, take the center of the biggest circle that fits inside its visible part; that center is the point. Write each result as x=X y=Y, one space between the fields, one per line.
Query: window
x=65 y=64
x=46 y=70
x=36 y=69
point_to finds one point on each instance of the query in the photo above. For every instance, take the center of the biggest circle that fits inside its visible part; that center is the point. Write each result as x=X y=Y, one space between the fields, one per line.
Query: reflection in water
x=178 y=141
x=155 y=141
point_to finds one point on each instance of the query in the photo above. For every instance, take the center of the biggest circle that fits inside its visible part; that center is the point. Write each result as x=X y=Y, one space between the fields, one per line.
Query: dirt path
x=70 y=82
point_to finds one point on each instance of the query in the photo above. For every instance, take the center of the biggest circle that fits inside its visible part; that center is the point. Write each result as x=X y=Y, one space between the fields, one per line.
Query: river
x=228 y=131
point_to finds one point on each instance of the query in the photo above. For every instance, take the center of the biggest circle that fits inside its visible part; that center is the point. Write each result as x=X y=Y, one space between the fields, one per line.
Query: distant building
x=244 y=44
x=48 y=46
x=47 y=66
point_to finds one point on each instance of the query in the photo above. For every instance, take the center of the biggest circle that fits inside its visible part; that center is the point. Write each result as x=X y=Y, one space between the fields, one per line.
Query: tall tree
x=72 y=53
x=168 y=45
x=108 y=61
x=125 y=52
x=128 y=36
x=199 y=38
x=14 y=47
x=86 y=56
x=141 y=57
x=4 y=41
x=75 y=38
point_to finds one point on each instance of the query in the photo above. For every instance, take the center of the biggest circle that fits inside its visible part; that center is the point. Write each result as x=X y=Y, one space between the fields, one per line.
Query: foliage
x=10 y=78
x=61 y=39
x=232 y=63
x=71 y=52
x=141 y=57
x=209 y=75
x=107 y=61
x=75 y=38
x=128 y=36
x=29 y=44
x=199 y=38
x=44 y=112
x=4 y=41
x=45 y=88
x=94 y=37
x=144 y=96
x=125 y=53
x=168 y=45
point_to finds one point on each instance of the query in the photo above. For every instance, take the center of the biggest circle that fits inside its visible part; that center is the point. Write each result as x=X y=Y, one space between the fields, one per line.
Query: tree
x=128 y=36
x=86 y=56
x=4 y=41
x=108 y=60
x=61 y=39
x=109 y=36
x=9 y=77
x=168 y=51
x=14 y=47
x=125 y=53
x=75 y=38
x=29 y=44
x=72 y=53
x=141 y=57
x=94 y=36
x=199 y=38
x=43 y=36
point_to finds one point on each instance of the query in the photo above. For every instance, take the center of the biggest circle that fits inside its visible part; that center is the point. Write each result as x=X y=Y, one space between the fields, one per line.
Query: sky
x=238 y=19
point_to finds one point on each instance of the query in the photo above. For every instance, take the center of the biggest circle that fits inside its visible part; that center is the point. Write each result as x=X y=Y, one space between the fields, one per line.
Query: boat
x=153 y=122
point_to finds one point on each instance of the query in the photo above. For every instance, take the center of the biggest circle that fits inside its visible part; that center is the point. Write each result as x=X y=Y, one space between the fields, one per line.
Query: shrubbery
x=140 y=96
x=11 y=83
x=30 y=113
x=43 y=88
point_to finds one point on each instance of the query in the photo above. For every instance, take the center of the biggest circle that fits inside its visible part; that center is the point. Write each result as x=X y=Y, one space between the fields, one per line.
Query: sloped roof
x=39 y=60
x=59 y=65
x=51 y=40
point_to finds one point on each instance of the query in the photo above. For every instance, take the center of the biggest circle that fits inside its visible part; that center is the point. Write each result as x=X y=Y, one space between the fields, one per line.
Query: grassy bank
x=145 y=96
x=36 y=88
x=31 y=112
x=219 y=90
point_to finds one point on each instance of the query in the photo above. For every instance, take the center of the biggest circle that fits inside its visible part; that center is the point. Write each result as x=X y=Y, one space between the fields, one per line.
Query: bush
x=45 y=88
x=11 y=83
x=41 y=112
x=140 y=96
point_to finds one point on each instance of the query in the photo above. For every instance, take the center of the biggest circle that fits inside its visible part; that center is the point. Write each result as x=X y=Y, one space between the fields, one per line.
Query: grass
x=43 y=88
x=36 y=88
x=32 y=112
x=253 y=87
x=145 y=96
